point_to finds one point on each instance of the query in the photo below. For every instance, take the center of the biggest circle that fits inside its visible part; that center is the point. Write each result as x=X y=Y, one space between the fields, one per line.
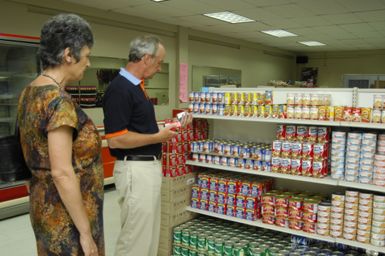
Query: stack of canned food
x=379 y=162
x=309 y=106
x=206 y=236
x=293 y=210
x=313 y=106
x=243 y=104
x=358 y=157
x=354 y=216
x=378 y=115
x=301 y=150
x=249 y=155
x=177 y=149
x=229 y=194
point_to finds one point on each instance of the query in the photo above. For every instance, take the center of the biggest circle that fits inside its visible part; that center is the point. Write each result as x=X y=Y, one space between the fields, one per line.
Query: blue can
x=196 y=96
x=213 y=196
x=195 y=192
x=220 y=97
x=240 y=213
x=258 y=155
x=245 y=189
x=221 y=209
x=217 y=160
x=240 y=201
x=267 y=155
x=212 y=207
x=230 y=211
x=194 y=147
x=204 y=194
x=224 y=161
x=196 y=107
x=221 y=109
x=221 y=198
x=231 y=200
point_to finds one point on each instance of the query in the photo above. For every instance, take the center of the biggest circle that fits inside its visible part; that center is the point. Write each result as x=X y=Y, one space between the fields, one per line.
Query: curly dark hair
x=60 y=32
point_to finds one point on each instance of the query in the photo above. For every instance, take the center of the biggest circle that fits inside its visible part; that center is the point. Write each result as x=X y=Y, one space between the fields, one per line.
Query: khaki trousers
x=138 y=184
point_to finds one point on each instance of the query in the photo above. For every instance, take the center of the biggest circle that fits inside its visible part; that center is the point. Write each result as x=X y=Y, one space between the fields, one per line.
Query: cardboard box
x=176 y=219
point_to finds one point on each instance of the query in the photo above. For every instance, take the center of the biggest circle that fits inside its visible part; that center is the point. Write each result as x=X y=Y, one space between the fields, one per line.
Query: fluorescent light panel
x=158 y=1
x=312 y=43
x=228 y=17
x=278 y=33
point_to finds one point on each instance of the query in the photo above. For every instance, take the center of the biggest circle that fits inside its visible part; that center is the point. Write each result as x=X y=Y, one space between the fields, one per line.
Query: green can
x=193 y=241
x=184 y=251
x=218 y=246
x=255 y=251
x=185 y=237
x=177 y=250
x=201 y=242
x=177 y=235
x=211 y=244
x=193 y=253
x=228 y=248
x=238 y=250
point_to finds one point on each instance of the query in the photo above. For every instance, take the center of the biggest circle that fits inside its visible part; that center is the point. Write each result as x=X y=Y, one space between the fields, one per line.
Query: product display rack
x=239 y=126
x=324 y=181
x=260 y=224
x=380 y=126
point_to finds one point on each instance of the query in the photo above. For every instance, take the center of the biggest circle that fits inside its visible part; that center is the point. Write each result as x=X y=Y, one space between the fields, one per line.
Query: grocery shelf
x=294 y=121
x=357 y=185
x=364 y=125
x=259 y=223
x=268 y=120
x=325 y=180
x=360 y=245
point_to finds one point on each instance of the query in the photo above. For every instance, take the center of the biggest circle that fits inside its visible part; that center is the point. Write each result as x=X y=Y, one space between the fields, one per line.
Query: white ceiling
x=340 y=24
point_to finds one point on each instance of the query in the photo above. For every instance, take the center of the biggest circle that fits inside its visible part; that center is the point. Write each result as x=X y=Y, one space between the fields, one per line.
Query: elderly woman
x=61 y=146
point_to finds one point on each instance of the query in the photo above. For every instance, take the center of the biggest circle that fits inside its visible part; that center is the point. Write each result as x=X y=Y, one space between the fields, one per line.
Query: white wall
x=257 y=67
x=333 y=65
x=112 y=39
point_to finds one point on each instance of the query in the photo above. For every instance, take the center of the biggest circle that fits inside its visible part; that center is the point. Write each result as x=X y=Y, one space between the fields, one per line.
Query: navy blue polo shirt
x=126 y=107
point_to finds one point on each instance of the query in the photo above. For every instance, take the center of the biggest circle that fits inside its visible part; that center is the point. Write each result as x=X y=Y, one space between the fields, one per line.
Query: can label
x=221 y=198
x=221 y=209
x=231 y=200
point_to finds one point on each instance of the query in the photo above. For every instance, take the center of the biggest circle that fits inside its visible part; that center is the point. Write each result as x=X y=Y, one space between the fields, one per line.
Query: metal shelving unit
x=294 y=121
x=242 y=128
x=324 y=181
x=259 y=223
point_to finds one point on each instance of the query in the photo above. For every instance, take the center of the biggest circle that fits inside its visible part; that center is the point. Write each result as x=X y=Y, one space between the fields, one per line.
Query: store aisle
x=17 y=238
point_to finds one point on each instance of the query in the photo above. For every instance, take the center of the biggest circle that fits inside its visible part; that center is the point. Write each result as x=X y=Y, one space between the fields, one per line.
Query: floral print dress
x=42 y=109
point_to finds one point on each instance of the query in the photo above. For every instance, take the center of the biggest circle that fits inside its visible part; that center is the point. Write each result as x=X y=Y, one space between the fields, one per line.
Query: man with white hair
x=135 y=140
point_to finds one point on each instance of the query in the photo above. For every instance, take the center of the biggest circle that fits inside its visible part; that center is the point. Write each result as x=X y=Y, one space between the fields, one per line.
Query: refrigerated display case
x=18 y=66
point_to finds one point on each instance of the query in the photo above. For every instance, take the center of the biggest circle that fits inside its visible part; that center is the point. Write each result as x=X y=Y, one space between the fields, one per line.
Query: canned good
x=177 y=235
x=177 y=250
x=193 y=241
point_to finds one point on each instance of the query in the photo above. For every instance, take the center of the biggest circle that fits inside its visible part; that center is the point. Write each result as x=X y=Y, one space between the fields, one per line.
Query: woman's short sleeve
x=61 y=112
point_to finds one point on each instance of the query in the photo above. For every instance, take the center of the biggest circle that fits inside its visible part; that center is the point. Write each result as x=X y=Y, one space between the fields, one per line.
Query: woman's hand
x=88 y=245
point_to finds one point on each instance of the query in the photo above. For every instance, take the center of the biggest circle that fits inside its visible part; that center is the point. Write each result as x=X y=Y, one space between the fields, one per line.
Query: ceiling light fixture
x=158 y=1
x=228 y=17
x=278 y=33
x=312 y=43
